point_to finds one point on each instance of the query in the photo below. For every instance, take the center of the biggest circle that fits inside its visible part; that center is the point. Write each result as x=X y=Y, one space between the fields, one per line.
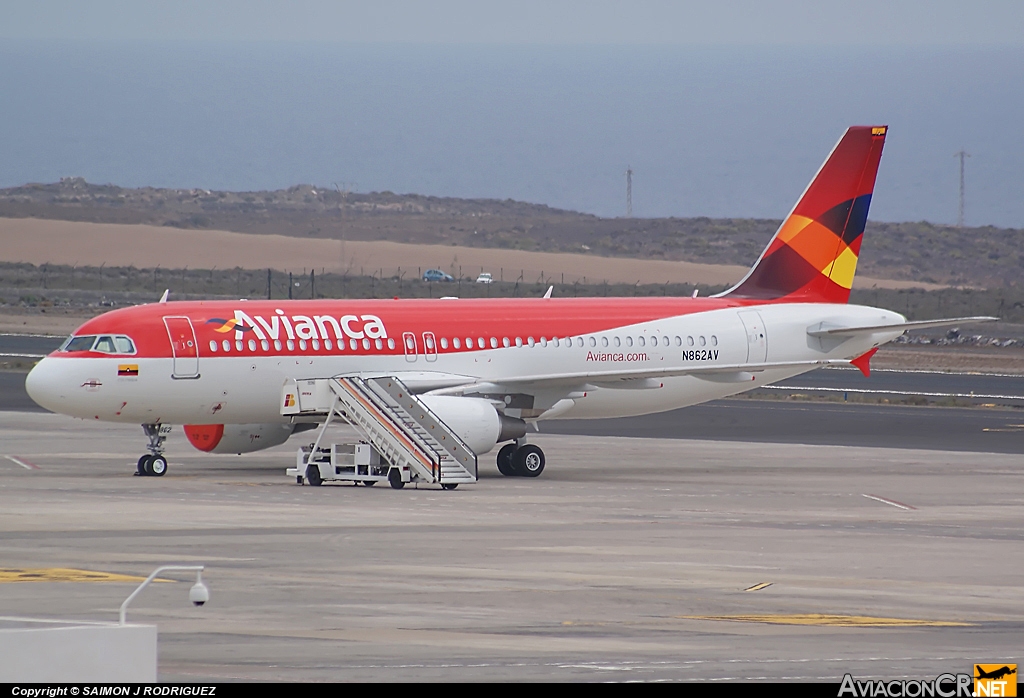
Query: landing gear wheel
x=505 y=466
x=449 y=485
x=156 y=465
x=313 y=475
x=528 y=461
x=395 y=478
x=144 y=464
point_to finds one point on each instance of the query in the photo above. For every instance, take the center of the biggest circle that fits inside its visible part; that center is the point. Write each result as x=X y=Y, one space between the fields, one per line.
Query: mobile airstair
x=403 y=440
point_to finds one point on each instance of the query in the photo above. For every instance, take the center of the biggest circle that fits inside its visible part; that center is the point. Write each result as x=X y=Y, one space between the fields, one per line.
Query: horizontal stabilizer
x=825 y=329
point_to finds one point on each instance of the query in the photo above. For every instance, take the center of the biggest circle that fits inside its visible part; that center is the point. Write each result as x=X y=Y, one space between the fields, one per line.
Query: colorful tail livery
x=813 y=255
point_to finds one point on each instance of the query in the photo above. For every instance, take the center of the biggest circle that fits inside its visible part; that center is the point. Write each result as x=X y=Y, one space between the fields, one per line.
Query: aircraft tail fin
x=813 y=255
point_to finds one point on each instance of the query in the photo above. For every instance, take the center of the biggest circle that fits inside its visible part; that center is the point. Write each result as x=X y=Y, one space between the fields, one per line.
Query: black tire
x=395 y=478
x=369 y=483
x=449 y=485
x=528 y=461
x=156 y=466
x=313 y=476
x=144 y=464
x=505 y=466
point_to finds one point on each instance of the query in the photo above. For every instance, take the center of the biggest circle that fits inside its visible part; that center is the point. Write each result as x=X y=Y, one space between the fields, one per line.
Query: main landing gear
x=154 y=463
x=526 y=460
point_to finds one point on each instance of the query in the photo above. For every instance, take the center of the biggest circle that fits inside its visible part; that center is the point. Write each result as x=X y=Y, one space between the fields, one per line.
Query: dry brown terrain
x=980 y=258
x=38 y=241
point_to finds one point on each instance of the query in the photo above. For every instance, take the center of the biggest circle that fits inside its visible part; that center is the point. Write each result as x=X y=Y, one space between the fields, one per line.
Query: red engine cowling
x=237 y=438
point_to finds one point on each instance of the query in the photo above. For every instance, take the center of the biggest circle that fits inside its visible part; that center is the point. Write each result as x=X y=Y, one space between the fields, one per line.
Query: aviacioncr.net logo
x=942 y=686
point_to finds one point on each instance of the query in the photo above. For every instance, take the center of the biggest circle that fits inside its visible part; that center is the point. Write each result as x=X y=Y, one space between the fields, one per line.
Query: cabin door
x=184 y=347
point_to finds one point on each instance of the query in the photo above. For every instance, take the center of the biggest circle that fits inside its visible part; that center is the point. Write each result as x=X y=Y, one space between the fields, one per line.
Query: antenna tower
x=961 y=154
x=629 y=191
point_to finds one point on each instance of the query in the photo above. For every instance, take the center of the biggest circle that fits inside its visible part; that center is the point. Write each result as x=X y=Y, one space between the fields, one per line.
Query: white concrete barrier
x=42 y=651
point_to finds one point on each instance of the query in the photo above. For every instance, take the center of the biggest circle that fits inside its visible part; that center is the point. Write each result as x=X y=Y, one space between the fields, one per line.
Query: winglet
x=163 y=298
x=863 y=362
x=547 y=294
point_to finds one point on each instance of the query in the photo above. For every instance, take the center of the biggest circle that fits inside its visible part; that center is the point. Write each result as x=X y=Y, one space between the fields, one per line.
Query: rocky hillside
x=979 y=257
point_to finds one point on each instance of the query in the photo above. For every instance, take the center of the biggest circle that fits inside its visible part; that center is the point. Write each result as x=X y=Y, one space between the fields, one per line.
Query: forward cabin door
x=757 y=336
x=184 y=348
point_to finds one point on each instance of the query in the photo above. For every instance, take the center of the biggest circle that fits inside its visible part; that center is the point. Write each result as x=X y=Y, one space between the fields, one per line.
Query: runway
x=627 y=560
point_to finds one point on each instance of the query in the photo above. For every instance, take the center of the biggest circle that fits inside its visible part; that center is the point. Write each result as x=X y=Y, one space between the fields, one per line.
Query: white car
x=484 y=278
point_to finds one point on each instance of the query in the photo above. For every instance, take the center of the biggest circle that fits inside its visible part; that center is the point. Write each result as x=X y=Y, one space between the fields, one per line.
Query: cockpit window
x=79 y=343
x=105 y=344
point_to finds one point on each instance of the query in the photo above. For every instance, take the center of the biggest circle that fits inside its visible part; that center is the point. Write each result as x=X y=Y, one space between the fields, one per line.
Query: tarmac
x=628 y=559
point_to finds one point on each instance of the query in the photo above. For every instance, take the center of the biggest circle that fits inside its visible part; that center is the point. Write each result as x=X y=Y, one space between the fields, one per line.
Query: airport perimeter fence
x=62 y=285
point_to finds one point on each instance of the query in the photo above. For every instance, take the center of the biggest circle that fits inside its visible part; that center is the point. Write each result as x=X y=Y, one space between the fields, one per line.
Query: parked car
x=484 y=278
x=437 y=275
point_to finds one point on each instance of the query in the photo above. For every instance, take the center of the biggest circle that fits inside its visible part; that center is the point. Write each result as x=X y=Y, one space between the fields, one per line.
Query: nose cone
x=43 y=385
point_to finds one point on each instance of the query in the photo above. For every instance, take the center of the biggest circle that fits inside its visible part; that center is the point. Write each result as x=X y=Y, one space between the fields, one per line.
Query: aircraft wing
x=826 y=329
x=632 y=378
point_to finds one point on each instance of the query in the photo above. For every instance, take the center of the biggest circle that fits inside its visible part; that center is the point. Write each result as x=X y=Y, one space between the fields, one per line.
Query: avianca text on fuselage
x=303 y=327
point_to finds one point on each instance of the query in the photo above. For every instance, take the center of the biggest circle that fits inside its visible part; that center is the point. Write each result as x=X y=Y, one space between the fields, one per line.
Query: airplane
x=488 y=368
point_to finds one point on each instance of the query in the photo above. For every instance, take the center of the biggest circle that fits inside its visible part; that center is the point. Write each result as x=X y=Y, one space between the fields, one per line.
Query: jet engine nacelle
x=475 y=420
x=237 y=438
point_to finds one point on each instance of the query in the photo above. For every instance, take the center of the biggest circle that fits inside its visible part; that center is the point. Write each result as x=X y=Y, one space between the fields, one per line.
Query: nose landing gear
x=154 y=463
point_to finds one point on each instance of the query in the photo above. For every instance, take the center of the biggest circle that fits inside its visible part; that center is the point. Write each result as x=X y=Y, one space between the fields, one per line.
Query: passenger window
x=457 y=343
x=529 y=340
x=604 y=341
x=617 y=341
x=327 y=345
x=277 y=345
x=444 y=342
x=265 y=344
x=554 y=341
x=654 y=341
x=579 y=341
x=543 y=341
x=366 y=344
x=689 y=341
x=519 y=341
x=391 y=343
x=714 y=341
x=226 y=344
x=480 y=342
x=213 y=345
x=629 y=341
x=593 y=341
x=679 y=341
x=379 y=344
x=252 y=345
x=469 y=342
x=702 y=340
x=640 y=341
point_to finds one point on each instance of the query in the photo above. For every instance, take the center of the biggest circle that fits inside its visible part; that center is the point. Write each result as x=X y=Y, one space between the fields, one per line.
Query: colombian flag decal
x=128 y=370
